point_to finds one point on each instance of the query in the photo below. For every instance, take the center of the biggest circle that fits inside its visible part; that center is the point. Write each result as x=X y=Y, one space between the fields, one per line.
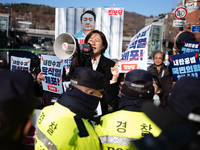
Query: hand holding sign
x=115 y=73
x=40 y=77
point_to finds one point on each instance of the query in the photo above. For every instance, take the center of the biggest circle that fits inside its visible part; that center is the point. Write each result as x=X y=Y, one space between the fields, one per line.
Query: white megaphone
x=66 y=45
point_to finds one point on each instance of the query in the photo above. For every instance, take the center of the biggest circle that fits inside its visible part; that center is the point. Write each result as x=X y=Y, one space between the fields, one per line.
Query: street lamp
x=10 y=15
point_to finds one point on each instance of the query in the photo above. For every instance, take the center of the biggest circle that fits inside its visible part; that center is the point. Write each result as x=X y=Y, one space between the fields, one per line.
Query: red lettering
x=128 y=67
x=51 y=88
x=65 y=45
x=120 y=12
x=115 y=12
x=81 y=41
x=110 y=12
x=86 y=50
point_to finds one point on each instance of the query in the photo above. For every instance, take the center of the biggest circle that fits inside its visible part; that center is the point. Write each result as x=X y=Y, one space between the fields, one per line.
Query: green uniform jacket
x=57 y=130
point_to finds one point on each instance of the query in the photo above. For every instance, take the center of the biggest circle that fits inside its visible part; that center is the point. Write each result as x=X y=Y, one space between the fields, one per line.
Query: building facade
x=4 y=29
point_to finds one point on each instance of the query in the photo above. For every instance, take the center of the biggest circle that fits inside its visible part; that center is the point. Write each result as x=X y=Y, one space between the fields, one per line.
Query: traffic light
x=181 y=37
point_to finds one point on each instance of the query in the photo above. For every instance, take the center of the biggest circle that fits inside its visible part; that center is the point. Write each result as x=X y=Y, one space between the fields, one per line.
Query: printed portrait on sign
x=88 y=21
x=80 y=21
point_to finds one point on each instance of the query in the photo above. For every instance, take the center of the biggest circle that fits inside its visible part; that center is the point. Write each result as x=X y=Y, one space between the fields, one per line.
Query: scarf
x=79 y=102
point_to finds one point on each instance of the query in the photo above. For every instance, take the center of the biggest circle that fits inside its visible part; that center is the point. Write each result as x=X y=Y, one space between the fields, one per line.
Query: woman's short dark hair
x=103 y=38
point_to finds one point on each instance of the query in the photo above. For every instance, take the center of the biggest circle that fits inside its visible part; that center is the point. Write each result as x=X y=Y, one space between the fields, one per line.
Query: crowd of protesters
x=141 y=109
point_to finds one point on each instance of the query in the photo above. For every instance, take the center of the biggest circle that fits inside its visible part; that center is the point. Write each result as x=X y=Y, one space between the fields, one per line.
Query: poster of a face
x=80 y=21
x=88 y=21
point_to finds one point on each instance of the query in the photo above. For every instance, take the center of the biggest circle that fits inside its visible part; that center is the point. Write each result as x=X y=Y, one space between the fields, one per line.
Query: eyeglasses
x=94 y=40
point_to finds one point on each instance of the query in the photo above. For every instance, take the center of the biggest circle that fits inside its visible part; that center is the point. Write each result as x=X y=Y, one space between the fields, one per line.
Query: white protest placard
x=66 y=85
x=52 y=66
x=98 y=109
x=135 y=56
x=66 y=64
x=18 y=63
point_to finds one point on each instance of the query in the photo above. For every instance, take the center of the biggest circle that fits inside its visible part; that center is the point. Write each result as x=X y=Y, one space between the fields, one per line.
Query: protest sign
x=18 y=63
x=185 y=65
x=52 y=66
x=135 y=56
x=66 y=85
x=190 y=46
x=98 y=109
x=66 y=64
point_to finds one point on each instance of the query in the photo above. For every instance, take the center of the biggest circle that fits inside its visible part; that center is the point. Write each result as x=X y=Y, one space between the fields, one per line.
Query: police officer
x=179 y=120
x=65 y=125
x=17 y=103
x=117 y=129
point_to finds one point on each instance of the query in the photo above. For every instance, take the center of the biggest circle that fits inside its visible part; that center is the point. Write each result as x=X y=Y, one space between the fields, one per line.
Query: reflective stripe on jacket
x=117 y=129
x=57 y=130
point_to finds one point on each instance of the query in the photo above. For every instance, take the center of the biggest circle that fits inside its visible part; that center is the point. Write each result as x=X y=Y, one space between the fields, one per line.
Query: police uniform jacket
x=65 y=125
x=117 y=129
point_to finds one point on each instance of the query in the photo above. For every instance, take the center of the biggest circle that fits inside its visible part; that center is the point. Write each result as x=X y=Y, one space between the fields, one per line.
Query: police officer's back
x=65 y=124
x=117 y=129
x=179 y=121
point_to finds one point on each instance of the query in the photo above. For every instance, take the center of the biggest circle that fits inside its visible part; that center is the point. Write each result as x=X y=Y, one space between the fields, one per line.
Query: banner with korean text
x=135 y=56
x=185 y=65
x=18 y=63
x=52 y=66
x=190 y=46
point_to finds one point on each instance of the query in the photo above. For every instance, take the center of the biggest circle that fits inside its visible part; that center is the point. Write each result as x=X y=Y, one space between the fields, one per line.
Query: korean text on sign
x=52 y=67
x=18 y=63
x=135 y=57
x=185 y=65
x=190 y=46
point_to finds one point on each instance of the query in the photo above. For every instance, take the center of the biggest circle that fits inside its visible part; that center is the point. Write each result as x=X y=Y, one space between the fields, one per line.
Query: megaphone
x=66 y=45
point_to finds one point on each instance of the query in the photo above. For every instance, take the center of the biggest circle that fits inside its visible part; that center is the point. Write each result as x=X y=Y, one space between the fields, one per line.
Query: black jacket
x=103 y=67
x=12 y=145
x=153 y=70
x=165 y=79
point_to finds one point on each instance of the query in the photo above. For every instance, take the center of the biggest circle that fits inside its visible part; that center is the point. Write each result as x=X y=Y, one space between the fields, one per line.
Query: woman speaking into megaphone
x=97 y=61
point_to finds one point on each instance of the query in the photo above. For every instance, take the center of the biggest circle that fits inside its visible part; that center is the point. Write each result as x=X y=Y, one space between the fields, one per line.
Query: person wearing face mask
x=97 y=61
x=65 y=125
x=158 y=69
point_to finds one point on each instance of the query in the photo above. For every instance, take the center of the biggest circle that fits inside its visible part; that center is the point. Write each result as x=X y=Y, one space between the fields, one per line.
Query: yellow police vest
x=57 y=130
x=117 y=129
